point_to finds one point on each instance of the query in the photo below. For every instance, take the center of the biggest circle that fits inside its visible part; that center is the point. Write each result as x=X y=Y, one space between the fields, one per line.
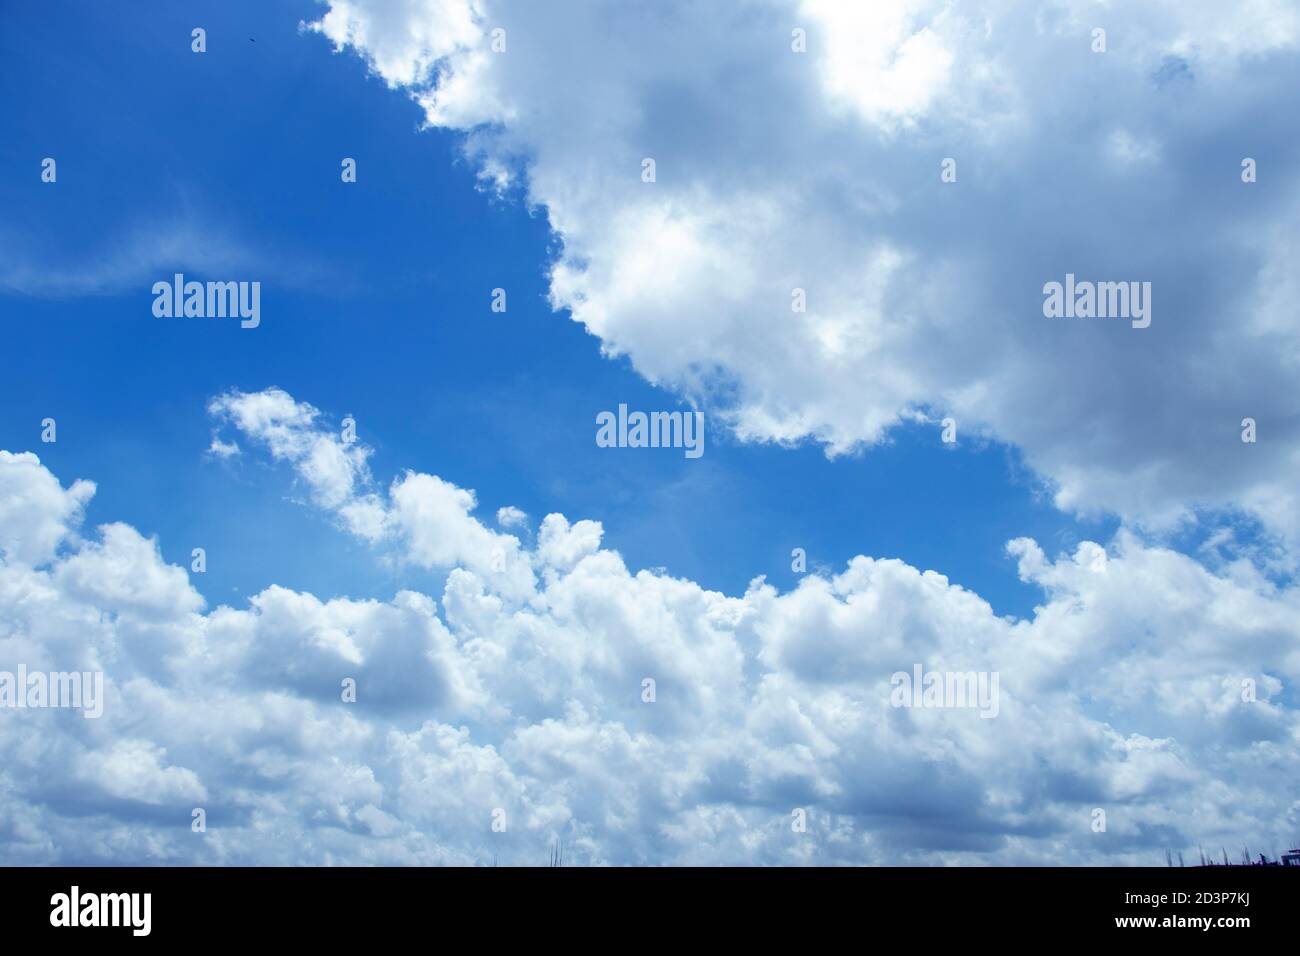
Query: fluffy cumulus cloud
x=1145 y=685
x=779 y=170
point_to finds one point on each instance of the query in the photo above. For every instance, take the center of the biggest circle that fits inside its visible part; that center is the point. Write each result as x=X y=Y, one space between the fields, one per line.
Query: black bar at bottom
x=1229 y=905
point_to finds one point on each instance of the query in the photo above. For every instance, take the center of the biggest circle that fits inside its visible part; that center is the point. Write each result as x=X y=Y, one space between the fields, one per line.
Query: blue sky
x=379 y=295
x=1108 y=544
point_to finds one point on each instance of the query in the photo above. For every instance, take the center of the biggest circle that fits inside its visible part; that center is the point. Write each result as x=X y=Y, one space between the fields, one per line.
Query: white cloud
x=820 y=171
x=886 y=60
x=403 y=39
x=136 y=770
x=221 y=449
x=35 y=511
x=1128 y=150
x=428 y=518
x=523 y=693
x=509 y=516
x=142 y=256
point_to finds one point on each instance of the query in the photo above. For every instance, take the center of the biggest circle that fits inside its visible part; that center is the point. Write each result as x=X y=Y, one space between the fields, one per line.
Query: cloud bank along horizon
x=518 y=695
